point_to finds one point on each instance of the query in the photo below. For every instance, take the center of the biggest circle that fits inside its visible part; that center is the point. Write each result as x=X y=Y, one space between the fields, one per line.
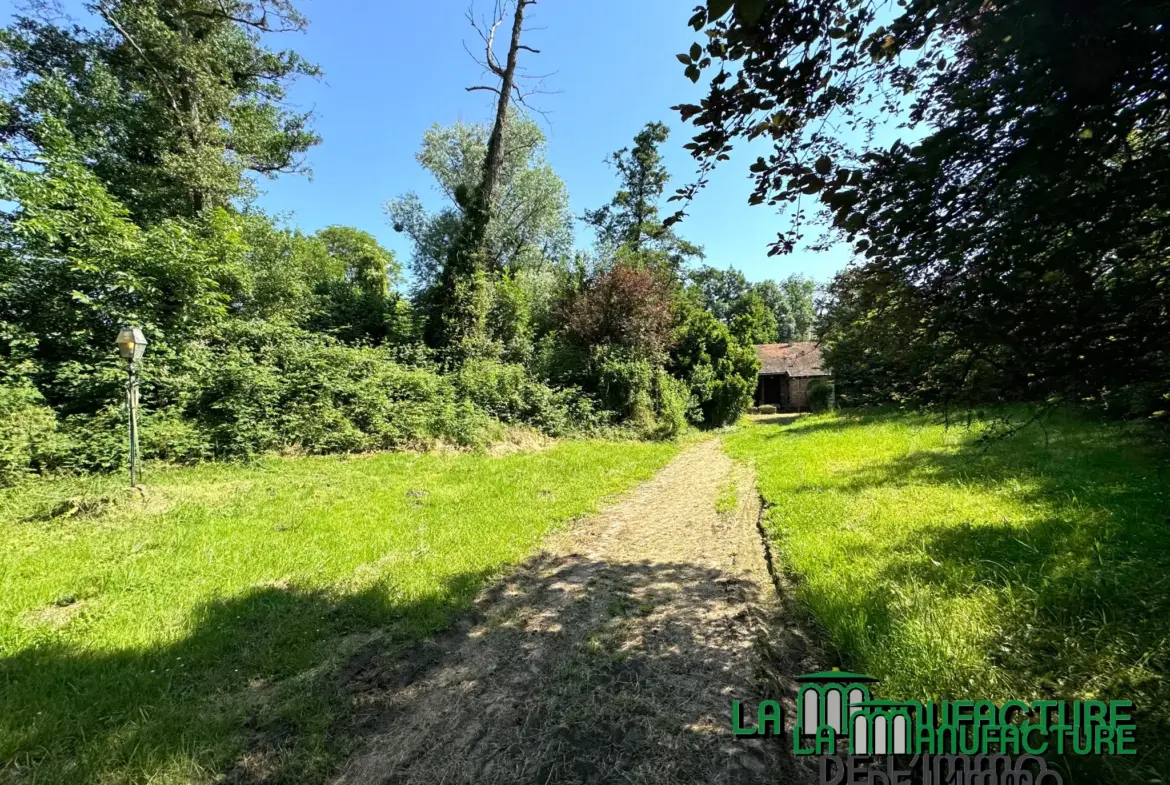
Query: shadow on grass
x=252 y=692
x=1084 y=583
x=567 y=670
x=801 y=424
x=587 y=671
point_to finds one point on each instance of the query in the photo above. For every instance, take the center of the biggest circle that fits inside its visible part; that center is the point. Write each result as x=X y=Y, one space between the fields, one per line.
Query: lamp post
x=131 y=345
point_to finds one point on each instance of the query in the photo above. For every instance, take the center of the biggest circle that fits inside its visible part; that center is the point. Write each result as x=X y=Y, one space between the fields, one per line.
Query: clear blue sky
x=394 y=68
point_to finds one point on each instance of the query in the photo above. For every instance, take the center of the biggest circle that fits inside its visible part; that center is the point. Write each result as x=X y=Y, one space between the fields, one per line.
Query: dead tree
x=457 y=324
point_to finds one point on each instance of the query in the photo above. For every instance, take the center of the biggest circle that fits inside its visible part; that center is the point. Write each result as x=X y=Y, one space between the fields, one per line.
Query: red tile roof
x=794 y=359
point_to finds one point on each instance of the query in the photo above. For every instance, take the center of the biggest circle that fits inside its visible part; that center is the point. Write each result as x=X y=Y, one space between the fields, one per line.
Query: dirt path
x=611 y=657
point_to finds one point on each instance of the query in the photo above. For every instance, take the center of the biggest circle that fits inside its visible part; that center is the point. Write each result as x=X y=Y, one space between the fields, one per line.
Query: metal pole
x=132 y=405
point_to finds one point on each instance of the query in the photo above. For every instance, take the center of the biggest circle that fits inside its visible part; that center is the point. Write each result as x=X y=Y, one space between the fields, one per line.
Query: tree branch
x=109 y=17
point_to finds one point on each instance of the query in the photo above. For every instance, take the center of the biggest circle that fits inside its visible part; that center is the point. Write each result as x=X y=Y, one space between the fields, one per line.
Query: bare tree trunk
x=457 y=325
x=494 y=161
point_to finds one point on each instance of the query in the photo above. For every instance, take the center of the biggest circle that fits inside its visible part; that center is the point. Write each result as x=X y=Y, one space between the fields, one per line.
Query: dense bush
x=27 y=429
x=261 y=386
x=626 y=306
x=508 y=392
x=820 y=396
x=672 y=401
x=720 y=369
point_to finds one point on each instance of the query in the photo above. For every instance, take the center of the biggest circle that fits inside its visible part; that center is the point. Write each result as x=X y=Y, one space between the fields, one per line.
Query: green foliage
x=719 y=290
x=777 y=300
x=367 y=265
x=529 y=221
x=126 y=150
x=28 y=428
x=1017 y=249
x=624 y=381
x=947 y=568
x=631 y=219
x=790 y=302
x=820 y=396
x=510 y=394
x=260 y=387
x=672 y=403
x=752 y=321
x=75 y=267
x=170 y=102
x=720 y=370
x=509 y=318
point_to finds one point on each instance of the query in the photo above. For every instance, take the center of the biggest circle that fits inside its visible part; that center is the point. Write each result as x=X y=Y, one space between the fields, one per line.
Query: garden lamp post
x=131 y=345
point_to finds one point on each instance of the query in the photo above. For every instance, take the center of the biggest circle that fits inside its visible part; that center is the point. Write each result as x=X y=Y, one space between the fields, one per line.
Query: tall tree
x=1030 y=227
x=631 y=219
x=799 y=292
x=458 y=323
x=529 y=221
x=170 y=102
x=777 y=300
x=719 y=289
x=752 y=321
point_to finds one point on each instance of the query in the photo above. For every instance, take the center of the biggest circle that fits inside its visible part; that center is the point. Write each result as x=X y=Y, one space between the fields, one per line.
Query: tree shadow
x=799 y=424
x=247 y=693
x=566 y=670
x=1084 y=597
x=586 y=671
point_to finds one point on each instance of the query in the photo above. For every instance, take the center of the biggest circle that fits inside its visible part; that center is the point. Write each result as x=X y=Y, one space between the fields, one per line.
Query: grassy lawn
x=946 y=570
x=159 y=640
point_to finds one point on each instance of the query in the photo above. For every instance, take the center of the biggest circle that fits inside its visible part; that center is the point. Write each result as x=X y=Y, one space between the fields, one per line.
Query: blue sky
x=394 y=67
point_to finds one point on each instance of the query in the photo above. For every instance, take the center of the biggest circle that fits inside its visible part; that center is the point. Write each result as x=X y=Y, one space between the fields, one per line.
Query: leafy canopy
x=170 y=102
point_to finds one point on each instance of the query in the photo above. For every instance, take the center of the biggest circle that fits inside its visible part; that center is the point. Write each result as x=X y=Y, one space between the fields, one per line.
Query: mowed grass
x=201 y=632
x=1030 y=567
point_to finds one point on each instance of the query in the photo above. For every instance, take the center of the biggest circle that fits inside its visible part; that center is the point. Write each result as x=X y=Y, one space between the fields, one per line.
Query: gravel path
x=613 y=656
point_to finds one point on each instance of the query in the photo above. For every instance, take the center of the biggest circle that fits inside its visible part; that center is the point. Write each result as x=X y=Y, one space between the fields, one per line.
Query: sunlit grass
x=1038 y=566
x=160 y=640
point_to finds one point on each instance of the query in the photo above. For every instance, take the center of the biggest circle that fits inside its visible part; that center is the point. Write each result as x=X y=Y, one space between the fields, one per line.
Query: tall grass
x=166 y=640
x=1037 y=565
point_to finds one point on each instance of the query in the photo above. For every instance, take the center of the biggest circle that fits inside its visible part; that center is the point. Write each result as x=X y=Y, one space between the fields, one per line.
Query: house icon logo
x=835 y=706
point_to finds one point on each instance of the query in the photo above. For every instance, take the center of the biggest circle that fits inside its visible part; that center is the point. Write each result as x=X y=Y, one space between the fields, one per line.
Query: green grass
x=727 y=499
x=160 y=640
x=1032 y=568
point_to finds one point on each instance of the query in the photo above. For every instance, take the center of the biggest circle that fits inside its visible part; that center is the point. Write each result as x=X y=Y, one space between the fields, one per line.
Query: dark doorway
x=772 y=389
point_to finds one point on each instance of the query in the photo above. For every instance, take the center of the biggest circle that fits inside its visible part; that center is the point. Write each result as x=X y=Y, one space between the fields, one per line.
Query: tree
x=720 y=369
x=458 y=320
x=625 y=306
x=790 y=301
x=631 y=219
x=752 y=321
x=74 y=266
x=777 y=301
x=799 y=292
x=719 y=289
x=367 y=265
x=359 y=305
x=1026 y=231
x=170 y=103
x=529 y=221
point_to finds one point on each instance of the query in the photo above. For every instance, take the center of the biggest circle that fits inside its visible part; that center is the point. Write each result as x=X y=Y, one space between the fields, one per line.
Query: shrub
x=27 y=429
x=623 y=381
x=820 y=396
x=672 y=399
x=273 y=386
x=508 y=392
x=720 y=369
x=626 y=307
